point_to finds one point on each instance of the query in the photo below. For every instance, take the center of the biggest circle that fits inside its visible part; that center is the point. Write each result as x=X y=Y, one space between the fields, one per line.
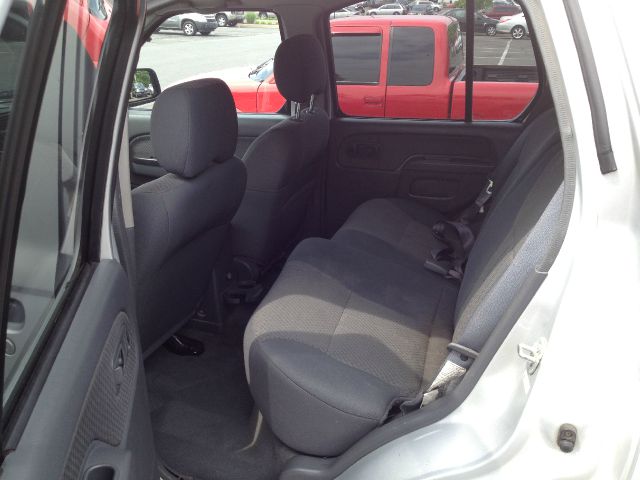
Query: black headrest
x=300 y=68
x=194 y=125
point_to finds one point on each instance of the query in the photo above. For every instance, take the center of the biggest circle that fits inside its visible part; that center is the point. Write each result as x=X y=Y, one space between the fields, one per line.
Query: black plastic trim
x=592 y=84
x=103 y=113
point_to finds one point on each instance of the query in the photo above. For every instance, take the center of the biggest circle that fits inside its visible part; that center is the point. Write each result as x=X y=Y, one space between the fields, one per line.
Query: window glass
x=48 y=238
x=357 y=58
x=456 y=48
x=418 y=63
x=505 y=71
x=236 y=46
x=411 y=58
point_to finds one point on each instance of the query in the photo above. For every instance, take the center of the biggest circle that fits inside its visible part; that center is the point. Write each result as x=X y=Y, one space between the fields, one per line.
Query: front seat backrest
x=183 y=218
x=282 y=163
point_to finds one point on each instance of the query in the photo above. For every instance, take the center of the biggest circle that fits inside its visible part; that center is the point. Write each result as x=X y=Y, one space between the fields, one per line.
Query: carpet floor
x=201 y=411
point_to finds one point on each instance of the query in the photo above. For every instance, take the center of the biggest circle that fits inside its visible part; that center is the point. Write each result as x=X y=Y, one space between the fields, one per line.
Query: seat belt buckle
x=484 y=195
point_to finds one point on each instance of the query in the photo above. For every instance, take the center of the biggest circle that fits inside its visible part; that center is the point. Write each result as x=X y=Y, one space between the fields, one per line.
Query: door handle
x=369 y=100
x=363 y=150
x=120 y=359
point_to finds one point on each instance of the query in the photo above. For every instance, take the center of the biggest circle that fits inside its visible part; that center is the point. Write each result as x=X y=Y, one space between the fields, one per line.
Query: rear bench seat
x=356 y=325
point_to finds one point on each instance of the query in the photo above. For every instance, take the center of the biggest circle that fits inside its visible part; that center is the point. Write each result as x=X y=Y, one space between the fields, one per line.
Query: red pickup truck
x=402 y=67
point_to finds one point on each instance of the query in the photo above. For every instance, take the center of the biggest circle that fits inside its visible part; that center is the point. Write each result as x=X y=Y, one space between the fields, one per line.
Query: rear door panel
x=92 y=412
x=440 y=164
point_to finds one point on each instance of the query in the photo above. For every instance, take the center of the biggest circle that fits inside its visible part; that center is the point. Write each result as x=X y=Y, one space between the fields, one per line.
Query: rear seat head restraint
x=300 y=70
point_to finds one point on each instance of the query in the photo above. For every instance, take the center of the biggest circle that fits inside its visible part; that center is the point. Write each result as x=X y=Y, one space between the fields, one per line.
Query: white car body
x=388 y=9
x=507 y=24
x=342 y=13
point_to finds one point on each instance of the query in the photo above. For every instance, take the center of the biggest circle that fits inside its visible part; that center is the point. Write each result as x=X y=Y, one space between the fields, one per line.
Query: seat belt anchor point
x=532 y=354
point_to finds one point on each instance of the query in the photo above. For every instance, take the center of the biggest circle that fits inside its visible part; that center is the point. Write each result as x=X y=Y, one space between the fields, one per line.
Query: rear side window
x=415 y=66
x=357 y=58
x=411 y=59
x=456 y=47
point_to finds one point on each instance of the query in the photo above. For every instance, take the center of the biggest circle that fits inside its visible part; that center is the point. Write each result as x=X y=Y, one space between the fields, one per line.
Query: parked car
x=190 y=24
x=267 y=16
x=516 y=26
x=442 y=97
x=499 y=10
x=389 y=9
x=421 y=9
x=227 y=18
x=344 y=12
x=140 y=90
x=436 y=6
x=482 y=22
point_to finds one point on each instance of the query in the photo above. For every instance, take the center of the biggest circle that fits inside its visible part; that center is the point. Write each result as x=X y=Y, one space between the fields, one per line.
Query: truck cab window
x=357 y=58
x=411 y=59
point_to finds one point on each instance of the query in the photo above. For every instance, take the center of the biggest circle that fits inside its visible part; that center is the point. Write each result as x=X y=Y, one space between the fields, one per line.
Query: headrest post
x=296 y=110
x=312 y=102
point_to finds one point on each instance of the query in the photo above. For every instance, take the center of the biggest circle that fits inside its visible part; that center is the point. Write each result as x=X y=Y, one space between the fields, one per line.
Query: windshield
x=262 y=71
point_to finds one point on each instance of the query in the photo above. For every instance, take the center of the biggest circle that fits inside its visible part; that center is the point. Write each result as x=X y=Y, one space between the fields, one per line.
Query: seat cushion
x=341 y=337
x=393 y=228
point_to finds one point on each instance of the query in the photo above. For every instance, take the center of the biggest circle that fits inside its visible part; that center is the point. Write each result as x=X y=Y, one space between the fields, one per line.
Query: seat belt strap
x=451 y=373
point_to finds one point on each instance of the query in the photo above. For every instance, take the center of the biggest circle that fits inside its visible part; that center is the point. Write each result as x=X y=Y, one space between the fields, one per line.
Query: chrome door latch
x=532 y=354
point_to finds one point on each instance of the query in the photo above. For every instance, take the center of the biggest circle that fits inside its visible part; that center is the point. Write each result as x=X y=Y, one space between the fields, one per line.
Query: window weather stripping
x=468 y=85
x=592 y=84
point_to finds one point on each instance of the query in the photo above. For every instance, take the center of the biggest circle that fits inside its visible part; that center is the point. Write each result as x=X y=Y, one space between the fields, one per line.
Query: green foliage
x=250 y=17
x=142 y=76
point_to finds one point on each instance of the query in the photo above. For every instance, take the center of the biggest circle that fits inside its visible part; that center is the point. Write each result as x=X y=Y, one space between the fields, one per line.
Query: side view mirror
x=145 y=87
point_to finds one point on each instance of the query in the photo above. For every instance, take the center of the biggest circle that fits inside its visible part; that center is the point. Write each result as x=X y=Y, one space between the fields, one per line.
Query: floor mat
x=201 y=412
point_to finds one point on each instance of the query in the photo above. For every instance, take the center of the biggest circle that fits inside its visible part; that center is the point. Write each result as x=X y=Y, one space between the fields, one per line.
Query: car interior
x=311 y=285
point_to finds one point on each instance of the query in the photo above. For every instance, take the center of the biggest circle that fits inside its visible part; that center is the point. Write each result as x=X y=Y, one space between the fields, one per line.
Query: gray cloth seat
x=183 y=218
x=283 y=163
x=355 y=325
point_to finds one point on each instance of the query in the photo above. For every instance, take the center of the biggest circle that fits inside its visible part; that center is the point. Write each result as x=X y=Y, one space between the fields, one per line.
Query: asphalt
x=176 y=57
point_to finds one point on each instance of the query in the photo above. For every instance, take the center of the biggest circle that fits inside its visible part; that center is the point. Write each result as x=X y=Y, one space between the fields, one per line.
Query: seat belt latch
x=484 y=195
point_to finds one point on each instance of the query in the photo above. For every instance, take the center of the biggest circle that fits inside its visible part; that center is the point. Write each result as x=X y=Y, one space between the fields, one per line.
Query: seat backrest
x=282 y=164
x=183 y=218
x=494 y=269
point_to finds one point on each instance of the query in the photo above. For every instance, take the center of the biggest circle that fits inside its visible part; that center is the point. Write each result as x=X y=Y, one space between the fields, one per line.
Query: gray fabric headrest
x=300 y=68
x=194 y=125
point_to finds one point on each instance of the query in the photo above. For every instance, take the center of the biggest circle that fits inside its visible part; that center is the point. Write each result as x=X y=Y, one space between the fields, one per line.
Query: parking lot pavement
x=503 y=50
x=176 y=57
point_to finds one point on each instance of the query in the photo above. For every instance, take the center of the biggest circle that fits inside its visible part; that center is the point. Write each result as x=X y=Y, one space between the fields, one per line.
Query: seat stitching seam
x=335 y=329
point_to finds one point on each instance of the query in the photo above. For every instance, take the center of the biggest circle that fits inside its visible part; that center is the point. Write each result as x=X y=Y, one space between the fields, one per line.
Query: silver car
x=227 y=18
x=190 y=24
